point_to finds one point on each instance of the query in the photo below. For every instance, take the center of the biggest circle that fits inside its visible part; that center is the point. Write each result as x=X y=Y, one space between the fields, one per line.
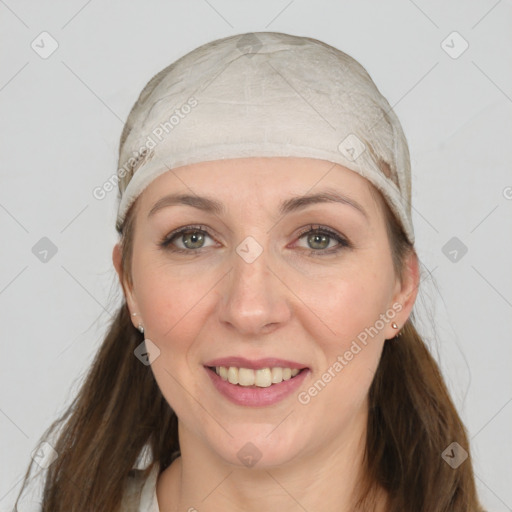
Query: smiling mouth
x=260 y=378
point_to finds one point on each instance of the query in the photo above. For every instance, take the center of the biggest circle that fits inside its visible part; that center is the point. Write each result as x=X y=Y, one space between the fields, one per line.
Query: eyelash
x=166 y=242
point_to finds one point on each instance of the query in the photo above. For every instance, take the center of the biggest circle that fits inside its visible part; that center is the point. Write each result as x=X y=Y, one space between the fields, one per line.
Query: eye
x=190 y=237
x=320 y=239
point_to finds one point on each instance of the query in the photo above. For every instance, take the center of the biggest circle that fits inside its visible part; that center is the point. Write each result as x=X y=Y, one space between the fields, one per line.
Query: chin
x=254 y=448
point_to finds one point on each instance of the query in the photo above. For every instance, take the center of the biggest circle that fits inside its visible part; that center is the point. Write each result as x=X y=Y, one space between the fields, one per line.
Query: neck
x=325 y=480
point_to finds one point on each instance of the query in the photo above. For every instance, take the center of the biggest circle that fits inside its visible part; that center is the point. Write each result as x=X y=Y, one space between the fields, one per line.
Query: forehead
x=252 y=180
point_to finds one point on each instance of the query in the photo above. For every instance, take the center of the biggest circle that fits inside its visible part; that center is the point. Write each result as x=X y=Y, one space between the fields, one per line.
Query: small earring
x=140 y=326
x=395 y=326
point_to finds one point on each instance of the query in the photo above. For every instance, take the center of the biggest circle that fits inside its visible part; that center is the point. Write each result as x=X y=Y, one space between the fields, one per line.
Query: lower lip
x=256 y=396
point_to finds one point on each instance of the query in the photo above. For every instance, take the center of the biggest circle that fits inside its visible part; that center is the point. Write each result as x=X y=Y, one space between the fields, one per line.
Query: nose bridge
x=254 y=298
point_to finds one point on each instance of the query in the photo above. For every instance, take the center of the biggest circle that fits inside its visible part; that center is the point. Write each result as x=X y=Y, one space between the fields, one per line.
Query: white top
x=148 y=500
x=140 y=495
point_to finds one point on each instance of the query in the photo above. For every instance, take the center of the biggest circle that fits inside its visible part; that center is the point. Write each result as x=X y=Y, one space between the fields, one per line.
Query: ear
x=127 y=290
x=405 y=292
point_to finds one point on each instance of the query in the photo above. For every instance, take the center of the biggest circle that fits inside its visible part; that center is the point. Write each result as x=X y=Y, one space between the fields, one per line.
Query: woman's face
x=270 y=274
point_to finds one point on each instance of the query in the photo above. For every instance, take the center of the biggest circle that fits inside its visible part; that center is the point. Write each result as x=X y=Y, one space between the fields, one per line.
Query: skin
x=288 y=303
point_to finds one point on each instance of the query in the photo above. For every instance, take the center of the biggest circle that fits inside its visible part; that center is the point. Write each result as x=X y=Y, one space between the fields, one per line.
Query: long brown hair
x=120 y=408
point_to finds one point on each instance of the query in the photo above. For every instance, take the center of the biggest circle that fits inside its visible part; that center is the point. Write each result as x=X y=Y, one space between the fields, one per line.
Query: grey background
x=61 y=121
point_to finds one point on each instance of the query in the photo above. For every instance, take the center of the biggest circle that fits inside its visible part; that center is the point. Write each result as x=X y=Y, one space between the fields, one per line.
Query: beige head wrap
x=265 y=94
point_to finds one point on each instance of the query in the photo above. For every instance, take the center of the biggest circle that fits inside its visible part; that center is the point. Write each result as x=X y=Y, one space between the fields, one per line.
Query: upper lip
x=255 y=364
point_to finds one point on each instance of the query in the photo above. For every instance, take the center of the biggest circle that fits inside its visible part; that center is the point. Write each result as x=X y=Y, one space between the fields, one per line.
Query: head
x=292 y=299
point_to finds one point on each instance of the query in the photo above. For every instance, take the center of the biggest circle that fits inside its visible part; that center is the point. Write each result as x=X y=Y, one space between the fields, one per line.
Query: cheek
x=175 y=308
x=170 y=301
x=349 y=307
x=352 y=345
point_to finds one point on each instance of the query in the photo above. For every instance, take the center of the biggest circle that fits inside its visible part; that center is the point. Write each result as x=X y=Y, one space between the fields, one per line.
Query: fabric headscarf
x=265 y=94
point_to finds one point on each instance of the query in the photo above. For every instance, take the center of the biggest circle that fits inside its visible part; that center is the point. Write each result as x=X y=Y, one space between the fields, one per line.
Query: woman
x=265 y=357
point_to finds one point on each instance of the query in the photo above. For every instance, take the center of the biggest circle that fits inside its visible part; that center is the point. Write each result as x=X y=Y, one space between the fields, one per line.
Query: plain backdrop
x=61 y=118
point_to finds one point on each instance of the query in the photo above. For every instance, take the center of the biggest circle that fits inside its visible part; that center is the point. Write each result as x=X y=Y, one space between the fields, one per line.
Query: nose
x=254 y=300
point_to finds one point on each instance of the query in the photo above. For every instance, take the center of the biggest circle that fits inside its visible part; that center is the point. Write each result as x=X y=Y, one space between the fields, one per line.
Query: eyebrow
x=289 y=205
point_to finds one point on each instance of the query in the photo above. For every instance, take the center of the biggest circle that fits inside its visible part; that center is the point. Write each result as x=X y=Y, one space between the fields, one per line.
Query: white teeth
x=232 y=375
x=246 y=377
x=263 y=377
x=277 y=375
